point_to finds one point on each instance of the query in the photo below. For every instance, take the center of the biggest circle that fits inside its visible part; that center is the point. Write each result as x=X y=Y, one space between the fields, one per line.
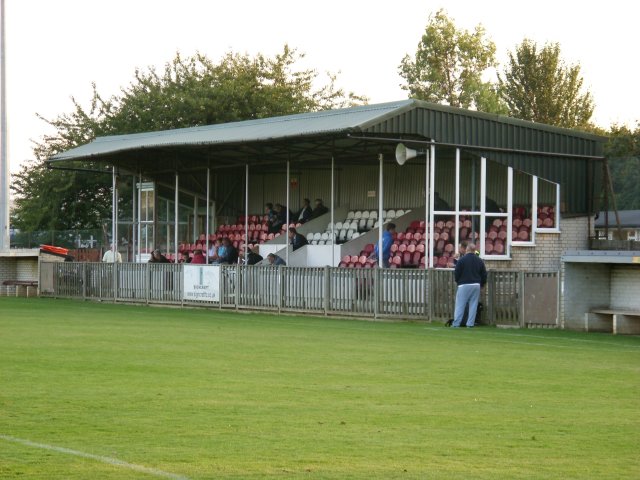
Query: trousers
x=466 y=294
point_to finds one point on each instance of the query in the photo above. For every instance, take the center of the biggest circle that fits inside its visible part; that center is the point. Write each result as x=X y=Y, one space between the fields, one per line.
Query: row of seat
x=386 y=214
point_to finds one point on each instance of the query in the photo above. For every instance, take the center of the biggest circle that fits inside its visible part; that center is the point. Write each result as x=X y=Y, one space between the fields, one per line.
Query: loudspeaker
x=403 y=154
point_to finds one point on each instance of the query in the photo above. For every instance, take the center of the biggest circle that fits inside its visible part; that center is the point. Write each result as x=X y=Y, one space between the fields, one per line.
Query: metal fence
x=363 y=292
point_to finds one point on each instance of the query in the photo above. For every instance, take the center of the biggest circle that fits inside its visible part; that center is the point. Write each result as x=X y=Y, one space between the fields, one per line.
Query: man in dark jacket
x=304 y=215
x=254 y=256
x=470 y=275
x=296 y=239
x=320 y=209
x=230 y=253
x=158 y=257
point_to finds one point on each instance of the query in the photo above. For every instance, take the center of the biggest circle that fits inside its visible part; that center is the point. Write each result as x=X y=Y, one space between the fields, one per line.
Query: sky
x=55 y=49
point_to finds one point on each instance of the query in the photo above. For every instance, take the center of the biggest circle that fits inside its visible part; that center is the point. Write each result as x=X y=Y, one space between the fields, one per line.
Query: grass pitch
x=200 y=394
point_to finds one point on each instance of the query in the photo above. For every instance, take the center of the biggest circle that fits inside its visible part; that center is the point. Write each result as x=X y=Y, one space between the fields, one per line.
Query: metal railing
x=363 y=292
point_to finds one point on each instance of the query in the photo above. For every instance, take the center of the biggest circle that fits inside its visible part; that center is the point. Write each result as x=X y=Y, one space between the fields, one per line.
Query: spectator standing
x=296 y=239
x=471 y=275
x=184 y=257
x=112 y=255
x=462 y=250
x=387 y=241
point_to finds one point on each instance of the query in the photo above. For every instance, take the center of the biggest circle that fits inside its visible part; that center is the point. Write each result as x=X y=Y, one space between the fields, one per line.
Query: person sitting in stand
x=158 y=257
x=198 y=258
x=212 y=247
x=184 y=257
x=279 y=219
x=320 y=209
x=304 y=215
x=214 y=250
x=270 y=212
x=253 y=256
x=296 y=239
x=229 y=253
x=275 y=260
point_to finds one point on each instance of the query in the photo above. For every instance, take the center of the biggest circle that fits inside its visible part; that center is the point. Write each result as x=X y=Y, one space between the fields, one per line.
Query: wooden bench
x=616 y=321
x=24 y=288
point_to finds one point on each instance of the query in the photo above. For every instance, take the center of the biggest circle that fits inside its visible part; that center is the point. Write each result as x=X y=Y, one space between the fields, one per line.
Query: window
x=523 y=215
x=547 y=206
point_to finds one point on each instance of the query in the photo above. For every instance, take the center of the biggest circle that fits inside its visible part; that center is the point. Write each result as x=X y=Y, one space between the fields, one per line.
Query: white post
x=286 y=231
x=483 y=204
x=114 y=230
x=431 y=225
x=208 y=213
x=333 y=207
x=133 y=220
x=380 y=202
x=139 y=187
x=195 y=218
x=175 y=222
x=114 y=210
x=4 y=159
x=427 y=198
x=246 y=212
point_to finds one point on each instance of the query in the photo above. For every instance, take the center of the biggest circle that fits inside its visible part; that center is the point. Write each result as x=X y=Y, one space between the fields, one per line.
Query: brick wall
x=584 y=286
x=7 y=272
x=545 y=255
x=625 y=287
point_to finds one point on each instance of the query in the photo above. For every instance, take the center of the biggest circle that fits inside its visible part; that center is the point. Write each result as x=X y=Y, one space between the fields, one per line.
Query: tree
x=189 y=92
x=449 y=65
x=536 y=85
x=623 y=152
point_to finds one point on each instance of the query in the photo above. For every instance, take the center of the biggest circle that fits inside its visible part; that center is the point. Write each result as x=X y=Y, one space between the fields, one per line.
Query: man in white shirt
x=112 y=255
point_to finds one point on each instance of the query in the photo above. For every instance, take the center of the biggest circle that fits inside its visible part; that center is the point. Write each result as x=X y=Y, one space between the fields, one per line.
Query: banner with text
x=201 y=283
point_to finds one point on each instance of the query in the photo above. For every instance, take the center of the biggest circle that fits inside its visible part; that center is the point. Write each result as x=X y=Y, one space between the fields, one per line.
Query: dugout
x=543 y=179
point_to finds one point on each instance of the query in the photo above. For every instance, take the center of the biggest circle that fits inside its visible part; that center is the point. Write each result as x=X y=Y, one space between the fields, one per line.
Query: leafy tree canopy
x=449 y=65
x=623 y=152
x=537 y=85
x=189 y=92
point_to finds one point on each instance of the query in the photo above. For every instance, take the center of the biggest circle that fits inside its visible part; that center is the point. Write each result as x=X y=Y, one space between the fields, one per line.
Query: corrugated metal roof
x=628 y=219
x=427 y=120
x=267 y=129
x=565 y=156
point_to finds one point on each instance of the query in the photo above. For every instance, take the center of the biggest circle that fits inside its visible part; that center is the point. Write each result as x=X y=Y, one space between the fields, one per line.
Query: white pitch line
x=99 y=458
